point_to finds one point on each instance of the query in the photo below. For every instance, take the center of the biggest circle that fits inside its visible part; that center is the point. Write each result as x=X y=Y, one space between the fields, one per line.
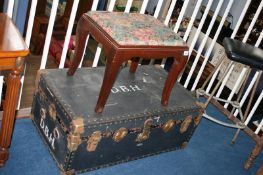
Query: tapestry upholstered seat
x=135 y=29
x=126 y=36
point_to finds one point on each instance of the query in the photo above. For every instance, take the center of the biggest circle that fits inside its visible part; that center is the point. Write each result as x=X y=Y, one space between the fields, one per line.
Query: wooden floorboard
x=21 y=113
x=33 y=64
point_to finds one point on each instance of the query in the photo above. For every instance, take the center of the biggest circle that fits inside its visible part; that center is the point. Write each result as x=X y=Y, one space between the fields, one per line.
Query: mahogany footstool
x=129 y=36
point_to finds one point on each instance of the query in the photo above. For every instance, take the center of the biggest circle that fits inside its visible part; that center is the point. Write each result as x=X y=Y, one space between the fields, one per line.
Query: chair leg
x=217 y=85
x=255 y=152
x=81 y=37
x=134 y=65
x=260 y=170
x=253 y=94
x=248 y=105
x=212 y=73
x=111 y=72
x=177 y=67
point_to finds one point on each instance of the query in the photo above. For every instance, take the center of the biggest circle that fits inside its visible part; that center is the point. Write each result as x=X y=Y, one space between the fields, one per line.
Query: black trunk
x=133 y=124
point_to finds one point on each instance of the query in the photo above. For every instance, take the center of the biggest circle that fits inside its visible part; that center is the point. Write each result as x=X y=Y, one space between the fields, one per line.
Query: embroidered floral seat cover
x=135 y=29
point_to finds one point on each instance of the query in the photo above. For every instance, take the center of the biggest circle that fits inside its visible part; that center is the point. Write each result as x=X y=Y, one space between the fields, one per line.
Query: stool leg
x=134 y=65
x=177 y=67
x=81 y=37
x=111 y=72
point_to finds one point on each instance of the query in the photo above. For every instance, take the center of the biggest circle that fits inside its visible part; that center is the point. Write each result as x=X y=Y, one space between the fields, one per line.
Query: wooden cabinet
x=247 y=21
x=41 y=20
x=1 y=6
x=84 y=6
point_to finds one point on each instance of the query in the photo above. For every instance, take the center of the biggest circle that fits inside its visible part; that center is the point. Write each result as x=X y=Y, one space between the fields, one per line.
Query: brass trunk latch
x=185 y=124
x=145 y=132
x=93 y=141
x=168 y=126
x=120 y=134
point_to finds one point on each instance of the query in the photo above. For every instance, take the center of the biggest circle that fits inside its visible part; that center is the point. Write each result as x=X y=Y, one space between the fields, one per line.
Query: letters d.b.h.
x=130 y=88
x=47 y=133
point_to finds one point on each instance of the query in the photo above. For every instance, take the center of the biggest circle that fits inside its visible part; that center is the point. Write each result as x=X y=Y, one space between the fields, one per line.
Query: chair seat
x=243 y=53
x=135 y=29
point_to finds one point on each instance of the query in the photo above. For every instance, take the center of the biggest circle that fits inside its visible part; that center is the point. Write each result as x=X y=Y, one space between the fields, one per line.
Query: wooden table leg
x=13 y=84
x=177 y=67
x=111 y=72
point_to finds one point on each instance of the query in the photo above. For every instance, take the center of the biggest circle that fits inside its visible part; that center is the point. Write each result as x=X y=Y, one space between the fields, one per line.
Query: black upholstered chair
x=248 y=55
x=237 y=52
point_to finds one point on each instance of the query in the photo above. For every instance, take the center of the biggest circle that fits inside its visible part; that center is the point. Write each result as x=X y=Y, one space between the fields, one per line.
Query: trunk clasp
x=145 y=132
x=93 y=141
x=120 y=134
x=168 y=126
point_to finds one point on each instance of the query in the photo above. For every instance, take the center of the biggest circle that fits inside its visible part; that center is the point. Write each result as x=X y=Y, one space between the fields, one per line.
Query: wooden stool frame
x=117 y=54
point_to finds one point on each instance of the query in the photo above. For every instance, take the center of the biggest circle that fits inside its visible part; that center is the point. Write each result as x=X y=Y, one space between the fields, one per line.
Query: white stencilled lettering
x=135 y=88
x=114 y=90
x=157 y=119
x=125 y=89
x=42 y=124
x=47 y=133
x=51 y=140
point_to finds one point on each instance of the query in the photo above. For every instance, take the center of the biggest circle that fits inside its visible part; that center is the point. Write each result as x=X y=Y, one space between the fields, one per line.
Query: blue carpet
x=208 y=153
